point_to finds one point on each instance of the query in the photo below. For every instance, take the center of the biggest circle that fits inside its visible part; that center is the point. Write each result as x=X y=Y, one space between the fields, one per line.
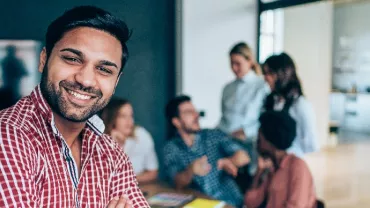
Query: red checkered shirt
x=38 y=170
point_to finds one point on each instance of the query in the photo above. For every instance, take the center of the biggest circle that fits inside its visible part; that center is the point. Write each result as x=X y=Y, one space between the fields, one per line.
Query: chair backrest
x=320 y=204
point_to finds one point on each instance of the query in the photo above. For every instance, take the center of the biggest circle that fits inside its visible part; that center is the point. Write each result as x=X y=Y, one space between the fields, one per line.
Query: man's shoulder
x=110 y=148
x=18 y=116
x=171 y=145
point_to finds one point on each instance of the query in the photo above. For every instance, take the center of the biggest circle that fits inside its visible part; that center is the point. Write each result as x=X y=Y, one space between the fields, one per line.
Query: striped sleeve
x=17 y=166
x=124 y=182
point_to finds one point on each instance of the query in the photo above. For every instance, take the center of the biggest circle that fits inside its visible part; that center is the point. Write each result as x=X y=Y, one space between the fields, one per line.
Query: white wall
x=308 y=39
x=209 y=29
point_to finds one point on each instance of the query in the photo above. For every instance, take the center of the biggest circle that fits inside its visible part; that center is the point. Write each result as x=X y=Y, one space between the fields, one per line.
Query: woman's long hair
x=287 y=84
x=110 y=113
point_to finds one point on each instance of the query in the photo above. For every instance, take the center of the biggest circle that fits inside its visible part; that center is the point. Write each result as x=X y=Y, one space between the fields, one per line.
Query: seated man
x=282 y=180
x=205 y=160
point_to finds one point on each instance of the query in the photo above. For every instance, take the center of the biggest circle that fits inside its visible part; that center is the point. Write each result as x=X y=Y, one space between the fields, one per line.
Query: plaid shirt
x=215 y=145
x=38 y=170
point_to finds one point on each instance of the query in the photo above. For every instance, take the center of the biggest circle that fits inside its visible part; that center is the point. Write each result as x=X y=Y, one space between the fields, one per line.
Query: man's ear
x=43 y=58
x=176 y=122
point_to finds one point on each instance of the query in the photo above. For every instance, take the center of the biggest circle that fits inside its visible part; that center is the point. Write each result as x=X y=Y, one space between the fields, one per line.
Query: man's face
x=188 y=119
x=81 y=73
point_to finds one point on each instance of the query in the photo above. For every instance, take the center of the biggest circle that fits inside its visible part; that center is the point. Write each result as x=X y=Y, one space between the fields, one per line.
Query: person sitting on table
x=282 y=180
x=203 y=159
x=137 y=142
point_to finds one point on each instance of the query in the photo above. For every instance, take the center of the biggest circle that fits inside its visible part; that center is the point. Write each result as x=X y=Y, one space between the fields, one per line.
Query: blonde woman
x=137 y=143
x=243 y=98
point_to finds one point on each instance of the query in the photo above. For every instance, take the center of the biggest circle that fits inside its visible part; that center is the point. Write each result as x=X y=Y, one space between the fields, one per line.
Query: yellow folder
x=205 y=203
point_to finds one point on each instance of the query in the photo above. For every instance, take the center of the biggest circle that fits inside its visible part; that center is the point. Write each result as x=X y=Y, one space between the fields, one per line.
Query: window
x=271 y=33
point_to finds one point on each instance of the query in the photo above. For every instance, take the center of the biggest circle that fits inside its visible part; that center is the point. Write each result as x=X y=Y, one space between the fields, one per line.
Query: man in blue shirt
x=206 y=160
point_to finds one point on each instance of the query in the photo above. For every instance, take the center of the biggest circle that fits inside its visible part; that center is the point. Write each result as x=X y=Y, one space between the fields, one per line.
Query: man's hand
x=121 y=202
x=200 y=166
x=239 y=134
x=226 y=165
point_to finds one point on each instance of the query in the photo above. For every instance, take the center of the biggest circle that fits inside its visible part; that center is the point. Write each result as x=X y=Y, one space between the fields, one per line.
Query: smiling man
x=52 y=149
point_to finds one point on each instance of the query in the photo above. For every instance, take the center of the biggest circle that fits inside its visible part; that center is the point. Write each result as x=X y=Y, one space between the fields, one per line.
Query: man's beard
x=60 y=105
x=190 y=130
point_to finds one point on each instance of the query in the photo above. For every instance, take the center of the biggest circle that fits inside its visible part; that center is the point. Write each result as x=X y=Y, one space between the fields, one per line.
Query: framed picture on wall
x=18 y=69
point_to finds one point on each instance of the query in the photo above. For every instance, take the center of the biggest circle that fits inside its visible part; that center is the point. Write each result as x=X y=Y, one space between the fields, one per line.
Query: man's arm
x=124 y=183
x=147 y=176
x=199 y=167
x=17 y=166
x=184 y=178
x=240 y=158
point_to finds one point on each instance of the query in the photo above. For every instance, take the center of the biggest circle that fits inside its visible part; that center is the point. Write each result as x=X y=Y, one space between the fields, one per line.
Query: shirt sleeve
x=172 y=163
x=307 y=119
x=18 y=161
x=227 y=144
x=251 y=124
x=151 y=161
x=124 y=182
x=300 y=184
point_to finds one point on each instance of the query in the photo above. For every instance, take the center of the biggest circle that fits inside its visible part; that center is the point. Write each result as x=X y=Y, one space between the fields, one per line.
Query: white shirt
x=306 y=140
x=141 y=151
x=242 y=102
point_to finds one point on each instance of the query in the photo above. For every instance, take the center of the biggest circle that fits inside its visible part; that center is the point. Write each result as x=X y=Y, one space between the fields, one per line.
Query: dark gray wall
x=148 y=76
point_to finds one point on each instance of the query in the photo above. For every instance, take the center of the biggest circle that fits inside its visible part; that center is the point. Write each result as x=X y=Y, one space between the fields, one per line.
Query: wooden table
x=158 y=187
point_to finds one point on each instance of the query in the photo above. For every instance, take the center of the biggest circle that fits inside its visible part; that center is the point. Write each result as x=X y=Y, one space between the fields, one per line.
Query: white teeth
x=79 y=96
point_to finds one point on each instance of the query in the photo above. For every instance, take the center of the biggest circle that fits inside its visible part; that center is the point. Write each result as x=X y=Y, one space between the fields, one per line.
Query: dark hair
x=287 y=84
x=172 y=111
x=110 y=113
x=88 y=16
x=244 y=50
x=172 y=107
x=279 y=128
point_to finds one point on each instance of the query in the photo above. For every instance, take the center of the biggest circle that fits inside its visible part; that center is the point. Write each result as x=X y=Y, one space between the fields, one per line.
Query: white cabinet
x=357 y=113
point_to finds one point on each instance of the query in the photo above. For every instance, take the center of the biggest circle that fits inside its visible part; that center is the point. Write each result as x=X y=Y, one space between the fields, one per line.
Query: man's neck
x=69 y=130
x=188 y=138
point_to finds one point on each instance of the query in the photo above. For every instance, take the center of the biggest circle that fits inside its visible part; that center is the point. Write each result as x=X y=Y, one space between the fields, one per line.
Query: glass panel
x=267 y=22
x=266 y=47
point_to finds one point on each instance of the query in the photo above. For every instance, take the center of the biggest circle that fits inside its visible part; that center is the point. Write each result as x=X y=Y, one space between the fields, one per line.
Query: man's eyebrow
x=75 y=51
x=108 y=63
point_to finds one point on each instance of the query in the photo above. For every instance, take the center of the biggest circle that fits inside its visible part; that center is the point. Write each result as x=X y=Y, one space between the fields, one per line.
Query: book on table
x=169 y=200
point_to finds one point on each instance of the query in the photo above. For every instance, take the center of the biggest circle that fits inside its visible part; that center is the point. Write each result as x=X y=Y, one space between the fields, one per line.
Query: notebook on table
x=169 y=200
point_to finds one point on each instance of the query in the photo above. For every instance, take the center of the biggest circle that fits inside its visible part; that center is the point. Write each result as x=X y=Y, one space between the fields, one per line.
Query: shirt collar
x=180 y=142
x=248 y=77
x=42 y=106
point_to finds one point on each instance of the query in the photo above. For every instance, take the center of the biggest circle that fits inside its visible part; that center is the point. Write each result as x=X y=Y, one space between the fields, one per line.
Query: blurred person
x=242 y=101
x=203 y=159
x=137 y=143
x=53 y=152
x=287 y=94
x=283 y=180
x=13 y=70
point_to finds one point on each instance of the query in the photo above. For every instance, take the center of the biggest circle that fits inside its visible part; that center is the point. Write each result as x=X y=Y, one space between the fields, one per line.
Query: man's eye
x=71 y=59
x=105 y=70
